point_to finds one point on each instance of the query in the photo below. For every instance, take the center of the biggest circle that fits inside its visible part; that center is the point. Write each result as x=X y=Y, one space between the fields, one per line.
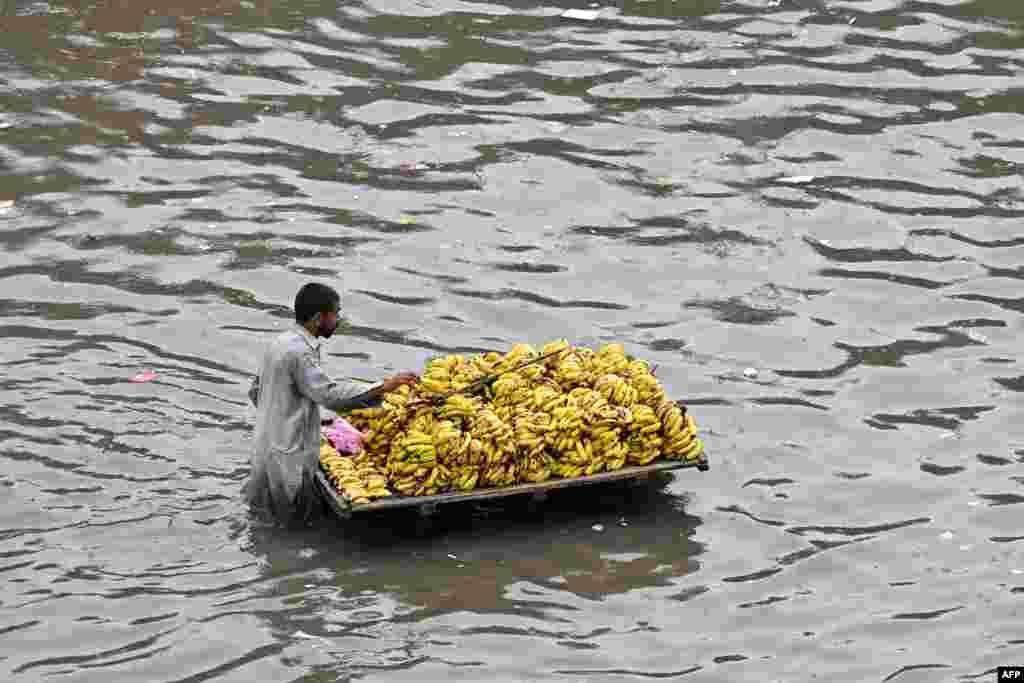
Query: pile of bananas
x=355 y=477
x=578 y=412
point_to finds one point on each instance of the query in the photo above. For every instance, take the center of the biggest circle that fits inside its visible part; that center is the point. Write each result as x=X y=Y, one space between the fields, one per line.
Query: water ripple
x=807 y=217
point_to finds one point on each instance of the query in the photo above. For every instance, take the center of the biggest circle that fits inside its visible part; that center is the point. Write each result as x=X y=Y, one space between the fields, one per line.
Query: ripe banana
x=578 y=412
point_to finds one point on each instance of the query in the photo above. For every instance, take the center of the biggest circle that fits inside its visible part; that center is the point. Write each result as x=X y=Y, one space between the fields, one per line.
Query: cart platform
x=428 y=504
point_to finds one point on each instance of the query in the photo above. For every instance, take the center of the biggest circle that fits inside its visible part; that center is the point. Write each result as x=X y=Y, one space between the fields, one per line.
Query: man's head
x=316 y=309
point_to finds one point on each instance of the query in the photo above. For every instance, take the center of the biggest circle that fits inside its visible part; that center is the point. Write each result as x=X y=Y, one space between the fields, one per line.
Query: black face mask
x=326 y=330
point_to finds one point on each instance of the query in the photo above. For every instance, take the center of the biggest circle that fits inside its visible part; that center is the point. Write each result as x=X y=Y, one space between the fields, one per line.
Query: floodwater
x=807 y=213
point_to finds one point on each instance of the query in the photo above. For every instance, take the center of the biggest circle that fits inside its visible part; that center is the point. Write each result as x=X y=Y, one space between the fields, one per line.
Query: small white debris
x=303 y=634
x=750 y=373
x=966 y=547
x=946 y=535
x=582 y=14
x=973 y=503
x=598 y=527
x=733 y=72
x=852 y=21
x=1017 y=571
x=452 y=556
x=623 y=522
x=307 y=553
x=797 y=179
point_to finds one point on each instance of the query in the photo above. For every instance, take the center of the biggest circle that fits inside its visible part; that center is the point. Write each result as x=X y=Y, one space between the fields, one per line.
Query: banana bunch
x=466 y=479
x=643 y=441
x=610 y=360
x=512 y=389
x=437 y=379
x=547 y=397
x=355 y=478
x=417 y=447
x=383 y=423
x=608 y=446
x=604 y=424
x=575 y=413
x=681 y=440
x=413 y=464
x=616 y=390
x=537 y=467
x=485 y=364
x=459 y=407
x=530 y=430
x=566 y=423
x=519 y=354
x=648 y=389
x=572 y=452
x=492 y=448
x=569 y=371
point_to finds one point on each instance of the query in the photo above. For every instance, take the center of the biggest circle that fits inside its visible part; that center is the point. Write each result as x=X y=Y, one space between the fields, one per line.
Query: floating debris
x=147 y=376
x=582 y=14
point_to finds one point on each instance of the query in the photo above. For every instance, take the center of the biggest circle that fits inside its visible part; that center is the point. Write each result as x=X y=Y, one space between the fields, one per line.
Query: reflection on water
x=514 y=571
x=807 y=214
x=470 y=555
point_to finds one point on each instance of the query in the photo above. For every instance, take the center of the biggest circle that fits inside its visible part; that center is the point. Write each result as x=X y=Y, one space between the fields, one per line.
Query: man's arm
x=314 y=383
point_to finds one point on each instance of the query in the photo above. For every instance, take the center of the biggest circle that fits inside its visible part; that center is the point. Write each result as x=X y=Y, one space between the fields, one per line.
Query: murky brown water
x=828 y=192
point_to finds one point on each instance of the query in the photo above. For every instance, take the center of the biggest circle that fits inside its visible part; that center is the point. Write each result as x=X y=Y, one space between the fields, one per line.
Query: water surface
x=807 y=213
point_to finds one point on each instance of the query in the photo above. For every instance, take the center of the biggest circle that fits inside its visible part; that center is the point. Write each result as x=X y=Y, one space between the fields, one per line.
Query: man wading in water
x=286 y=393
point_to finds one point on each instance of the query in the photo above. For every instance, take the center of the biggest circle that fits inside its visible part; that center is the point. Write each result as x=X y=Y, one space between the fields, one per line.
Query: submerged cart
x=427 y=505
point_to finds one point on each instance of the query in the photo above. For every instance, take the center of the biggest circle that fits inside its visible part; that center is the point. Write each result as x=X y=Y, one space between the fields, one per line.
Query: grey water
x=807 y=213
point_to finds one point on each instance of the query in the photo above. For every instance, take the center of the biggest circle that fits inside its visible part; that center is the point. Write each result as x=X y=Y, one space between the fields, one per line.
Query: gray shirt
x=286 y=392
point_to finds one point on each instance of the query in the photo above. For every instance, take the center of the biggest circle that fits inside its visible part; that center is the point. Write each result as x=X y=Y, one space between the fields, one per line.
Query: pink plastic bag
x=344 y=437
x=144 y=377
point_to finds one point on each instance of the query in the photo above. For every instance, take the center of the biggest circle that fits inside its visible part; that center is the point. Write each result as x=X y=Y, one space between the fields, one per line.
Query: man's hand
x=401 y=379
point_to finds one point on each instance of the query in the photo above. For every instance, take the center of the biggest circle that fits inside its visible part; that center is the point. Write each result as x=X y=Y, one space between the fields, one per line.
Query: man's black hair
x=315 y=298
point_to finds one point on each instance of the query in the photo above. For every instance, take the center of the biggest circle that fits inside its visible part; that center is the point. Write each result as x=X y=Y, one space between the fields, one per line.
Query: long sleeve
x=313 y=382
x=254 y=390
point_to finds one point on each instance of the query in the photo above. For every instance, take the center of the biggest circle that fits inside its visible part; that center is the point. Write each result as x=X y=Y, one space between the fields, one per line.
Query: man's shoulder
x=290 y=342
